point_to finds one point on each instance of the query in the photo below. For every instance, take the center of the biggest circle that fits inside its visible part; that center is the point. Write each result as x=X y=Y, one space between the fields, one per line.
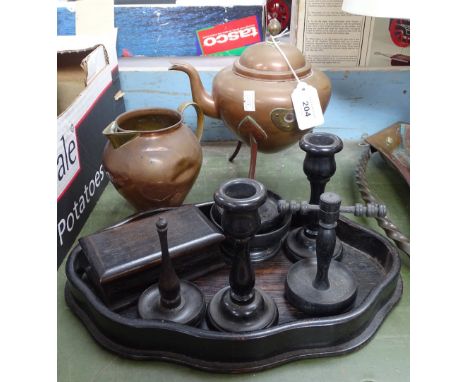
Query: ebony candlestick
x=171 y=299
x=319 y=166
x=241 y=307
x=322 y=286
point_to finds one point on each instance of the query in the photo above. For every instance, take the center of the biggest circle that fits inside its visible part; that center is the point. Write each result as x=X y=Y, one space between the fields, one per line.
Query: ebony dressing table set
x=248 y=280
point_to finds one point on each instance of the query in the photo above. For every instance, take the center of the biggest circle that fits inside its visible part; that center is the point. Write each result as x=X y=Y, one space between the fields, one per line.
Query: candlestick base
x=302 y=294
x=190 y=311
x=225 y=314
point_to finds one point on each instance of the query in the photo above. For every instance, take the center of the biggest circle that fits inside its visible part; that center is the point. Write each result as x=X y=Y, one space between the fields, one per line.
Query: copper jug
x=153 y=158
x=263 y=69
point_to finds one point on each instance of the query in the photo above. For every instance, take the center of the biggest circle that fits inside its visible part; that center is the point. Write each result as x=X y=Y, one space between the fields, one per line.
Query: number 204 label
x=307 y=107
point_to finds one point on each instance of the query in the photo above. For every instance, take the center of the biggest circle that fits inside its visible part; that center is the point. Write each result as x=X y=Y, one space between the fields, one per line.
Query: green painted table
x=384 y=358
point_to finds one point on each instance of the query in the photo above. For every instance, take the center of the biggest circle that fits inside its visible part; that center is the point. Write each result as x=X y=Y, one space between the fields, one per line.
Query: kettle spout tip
x=176 y=66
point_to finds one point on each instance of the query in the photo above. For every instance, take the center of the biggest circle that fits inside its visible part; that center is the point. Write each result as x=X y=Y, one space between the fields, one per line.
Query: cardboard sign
x=68 y=160
x=229 y=36
x=87 y=82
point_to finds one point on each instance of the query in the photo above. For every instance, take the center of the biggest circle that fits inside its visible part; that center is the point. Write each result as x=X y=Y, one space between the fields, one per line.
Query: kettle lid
x=264 y=61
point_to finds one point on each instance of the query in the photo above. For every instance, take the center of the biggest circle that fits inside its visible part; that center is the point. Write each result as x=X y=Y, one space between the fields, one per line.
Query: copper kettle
x=263 y=69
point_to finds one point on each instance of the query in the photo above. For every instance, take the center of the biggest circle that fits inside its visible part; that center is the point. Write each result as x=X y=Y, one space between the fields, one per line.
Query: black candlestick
x=319 y=166
x=322 y=286
x=241 y=307
x=172 y=299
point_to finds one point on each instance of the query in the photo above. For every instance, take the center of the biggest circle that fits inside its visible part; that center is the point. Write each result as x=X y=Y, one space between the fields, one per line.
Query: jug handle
x=200 y=117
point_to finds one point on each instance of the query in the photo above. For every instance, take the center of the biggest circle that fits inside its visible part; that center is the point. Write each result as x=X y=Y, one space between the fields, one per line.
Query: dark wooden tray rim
x=234 y=353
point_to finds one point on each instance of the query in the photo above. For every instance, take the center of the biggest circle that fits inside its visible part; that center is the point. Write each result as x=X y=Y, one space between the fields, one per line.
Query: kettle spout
x=199 y=94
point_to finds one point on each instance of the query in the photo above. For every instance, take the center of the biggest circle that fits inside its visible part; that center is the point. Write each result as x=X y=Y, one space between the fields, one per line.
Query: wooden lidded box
x=125 y=259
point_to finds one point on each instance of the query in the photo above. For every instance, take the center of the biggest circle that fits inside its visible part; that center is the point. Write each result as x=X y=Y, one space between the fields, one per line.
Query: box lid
x=134 y=247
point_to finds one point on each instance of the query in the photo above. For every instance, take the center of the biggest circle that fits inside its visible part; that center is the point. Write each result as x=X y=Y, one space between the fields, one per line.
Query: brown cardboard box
x=88 y=99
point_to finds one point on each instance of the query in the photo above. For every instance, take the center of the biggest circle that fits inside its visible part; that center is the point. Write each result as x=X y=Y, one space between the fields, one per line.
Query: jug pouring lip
x=144 y=112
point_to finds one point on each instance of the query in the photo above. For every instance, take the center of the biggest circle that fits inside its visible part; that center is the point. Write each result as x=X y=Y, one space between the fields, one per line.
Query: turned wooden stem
x=240 y=199
x=319 y=166
x=169 y=283
x=242 y=275
x=326 y=238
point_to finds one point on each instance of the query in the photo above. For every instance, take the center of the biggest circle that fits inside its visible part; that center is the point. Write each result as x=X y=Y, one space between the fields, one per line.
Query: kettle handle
x=200 y=117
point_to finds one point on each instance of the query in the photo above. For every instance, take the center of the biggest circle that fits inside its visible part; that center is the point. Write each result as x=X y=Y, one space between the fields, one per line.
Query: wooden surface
x=125 y=250
x=270 y=276
x=384 y=358
x=292 y=339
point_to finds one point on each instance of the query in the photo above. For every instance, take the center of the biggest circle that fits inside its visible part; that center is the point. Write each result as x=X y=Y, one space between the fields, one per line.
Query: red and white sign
x=231 y=35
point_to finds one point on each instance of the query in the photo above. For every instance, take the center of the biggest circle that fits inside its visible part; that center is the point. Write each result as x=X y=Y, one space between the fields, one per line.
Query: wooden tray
x=372 y=258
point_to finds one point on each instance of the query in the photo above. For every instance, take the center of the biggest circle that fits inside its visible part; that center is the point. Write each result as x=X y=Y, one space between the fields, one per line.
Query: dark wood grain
x=372 y=258
x=271 y=275
x=125 y=259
